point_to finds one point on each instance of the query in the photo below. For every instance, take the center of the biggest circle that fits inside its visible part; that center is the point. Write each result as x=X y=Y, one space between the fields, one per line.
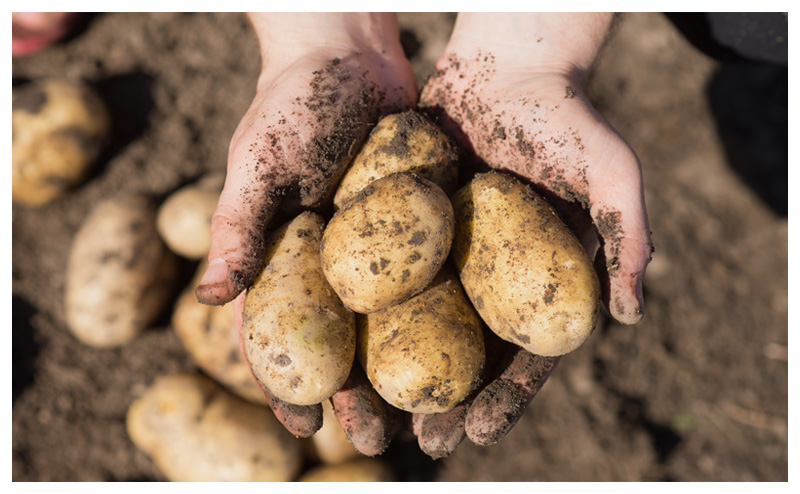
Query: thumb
x=618 y=211
x=237 y=237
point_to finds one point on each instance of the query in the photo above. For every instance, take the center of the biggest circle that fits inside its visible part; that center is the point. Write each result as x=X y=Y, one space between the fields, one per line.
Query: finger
x=413 y=423
x=499 y=406
x=369 y=423
x=237 y=234
x=619 y=214
x=439 y=434
x=302 y=421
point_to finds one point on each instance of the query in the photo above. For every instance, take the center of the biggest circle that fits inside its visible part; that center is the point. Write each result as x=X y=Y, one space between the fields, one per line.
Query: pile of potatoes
x=375 y=284
x=403 y=279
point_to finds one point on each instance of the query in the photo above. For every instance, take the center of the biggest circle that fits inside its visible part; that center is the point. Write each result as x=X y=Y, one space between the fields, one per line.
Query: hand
x=516 y=100
x=510 y=89
x=326 y=79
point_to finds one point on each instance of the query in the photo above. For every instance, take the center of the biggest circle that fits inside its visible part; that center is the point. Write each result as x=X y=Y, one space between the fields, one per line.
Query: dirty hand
x=509 y=88
x=326 y=79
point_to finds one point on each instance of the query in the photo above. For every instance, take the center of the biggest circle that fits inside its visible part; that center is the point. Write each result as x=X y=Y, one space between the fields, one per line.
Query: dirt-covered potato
x=329 y=443
x=524 y=270
x=195 y=431
x=209 y=336
x=58 y=128
x=357 y=470
x=388 y=243
x=402 y=142
x=425 y=355
x=298 y=336
x=119 y=274
x=184 y=220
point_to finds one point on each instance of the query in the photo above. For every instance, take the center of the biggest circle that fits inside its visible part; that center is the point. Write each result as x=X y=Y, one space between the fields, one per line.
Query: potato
x=523 y=269
x=427 y=354
x=298 y=336
x=358 y=470
x=388 y=243
x=403 y=142
x=330 y=444
x=195 y=431
x=184 y=220
x=119 y=273
x=58 y=128
x=209 y=336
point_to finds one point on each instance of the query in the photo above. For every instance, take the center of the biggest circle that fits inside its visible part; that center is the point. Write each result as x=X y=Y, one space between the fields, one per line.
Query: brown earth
x=697 y=391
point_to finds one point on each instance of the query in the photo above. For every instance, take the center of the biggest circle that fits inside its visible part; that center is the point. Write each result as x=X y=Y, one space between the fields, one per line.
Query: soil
x=698 y=391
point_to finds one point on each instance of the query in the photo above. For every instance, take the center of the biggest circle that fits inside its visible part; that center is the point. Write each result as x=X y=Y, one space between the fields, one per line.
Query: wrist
x=286 y=37
x=563 y=43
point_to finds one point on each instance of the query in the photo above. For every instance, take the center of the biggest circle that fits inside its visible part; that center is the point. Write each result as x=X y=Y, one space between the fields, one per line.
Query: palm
x=303 y=127
x=541 y=127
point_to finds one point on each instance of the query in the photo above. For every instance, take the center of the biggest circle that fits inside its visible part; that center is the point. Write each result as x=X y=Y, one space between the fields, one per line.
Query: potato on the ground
x=209 y=336
x=329 y=443
x=184 y=220
x=524 y=270
x=357 y=470
x=298 y=336
x=402 y=142
x=388 y=243
x=58 y=128
x=195 y=431
x=119 y=274
x=425 y=355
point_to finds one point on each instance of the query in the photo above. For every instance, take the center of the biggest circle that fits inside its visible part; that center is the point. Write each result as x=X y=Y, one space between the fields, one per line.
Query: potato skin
x=195 y=431
x=58 y=129
x=184 y=219
x=425 y=355
x=401 y=142
x=299 y=337
x=522 y=268
x=357 y=470
x=388 y=243
x=209 y=336
x=119 y=273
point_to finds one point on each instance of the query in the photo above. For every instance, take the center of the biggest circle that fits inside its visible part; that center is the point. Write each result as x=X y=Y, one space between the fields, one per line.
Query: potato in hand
x=401 y=142
x=298 y=336
x=425 y=355
x=388 y=243
x=524 y=270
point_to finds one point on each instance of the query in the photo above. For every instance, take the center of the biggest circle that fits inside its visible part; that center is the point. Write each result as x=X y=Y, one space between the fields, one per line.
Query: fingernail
x=639 y=297
x=216 y=272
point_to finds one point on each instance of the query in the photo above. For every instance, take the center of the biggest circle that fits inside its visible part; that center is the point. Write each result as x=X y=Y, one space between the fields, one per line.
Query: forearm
x=283 y=37
x=558 y=42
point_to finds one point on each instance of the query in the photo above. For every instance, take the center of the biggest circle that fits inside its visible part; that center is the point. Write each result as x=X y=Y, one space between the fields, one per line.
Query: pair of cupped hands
x=510 y=90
